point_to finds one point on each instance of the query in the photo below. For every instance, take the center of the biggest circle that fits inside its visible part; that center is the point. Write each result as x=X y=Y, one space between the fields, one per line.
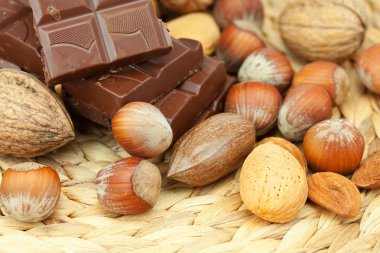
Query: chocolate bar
x=147 y=81
x=217 y=106
x=182 y=106
x=18 y=42
x=83 y=37
x=4 y=64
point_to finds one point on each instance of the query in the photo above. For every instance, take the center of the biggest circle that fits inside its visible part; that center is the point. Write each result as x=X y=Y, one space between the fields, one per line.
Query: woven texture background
x=206 y=219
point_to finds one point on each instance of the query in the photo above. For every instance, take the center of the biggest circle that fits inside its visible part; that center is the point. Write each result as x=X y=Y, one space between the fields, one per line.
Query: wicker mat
x=186 y=219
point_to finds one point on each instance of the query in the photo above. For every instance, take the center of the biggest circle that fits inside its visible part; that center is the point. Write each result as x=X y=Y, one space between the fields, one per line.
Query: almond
x=368 y=174
x=273 y=183
x=296 y=152
x=335 y=193
x=33 y=120
x=212 y=149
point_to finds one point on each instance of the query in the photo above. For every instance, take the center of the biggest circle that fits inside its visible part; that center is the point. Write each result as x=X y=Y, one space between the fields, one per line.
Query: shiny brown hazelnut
x=267 y=66
x=30 y=191
x=235 y=45
x=258 y=102
x=227 y=11
x=142 y=130
x=129 y=186
x=304 y=106
x=334 y=145
x=328 y=75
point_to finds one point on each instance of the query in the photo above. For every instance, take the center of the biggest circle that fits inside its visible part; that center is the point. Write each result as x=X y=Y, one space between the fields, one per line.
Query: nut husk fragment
x=33 y=120
x=323 y=29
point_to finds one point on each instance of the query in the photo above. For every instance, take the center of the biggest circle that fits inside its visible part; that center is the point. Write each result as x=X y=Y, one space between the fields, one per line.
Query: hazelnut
x=128 y=186
x=334 y=145
x=304 y=106
x=258 y=102
x=235 y=45
x=328 y=75
x=267 y=66
x=227 y=11
x=30 y=191
x=329 y=30
x=367 y=66
x=142 y=130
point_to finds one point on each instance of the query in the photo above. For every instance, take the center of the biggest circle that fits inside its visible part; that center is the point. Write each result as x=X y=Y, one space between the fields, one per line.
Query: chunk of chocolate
x=80 y=38
x=217 y=106
x=146 y=81
x=18 y=42
x=182 y=106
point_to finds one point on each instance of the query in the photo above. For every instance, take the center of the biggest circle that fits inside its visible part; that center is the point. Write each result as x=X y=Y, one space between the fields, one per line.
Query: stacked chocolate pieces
x=107 y=53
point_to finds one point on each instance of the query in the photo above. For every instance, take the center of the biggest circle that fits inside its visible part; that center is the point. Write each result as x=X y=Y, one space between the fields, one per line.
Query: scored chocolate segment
x=146 y=81
x=181 y=107
x=217 y=106
x=185 y=104
x=82 y=37
x=18 y=42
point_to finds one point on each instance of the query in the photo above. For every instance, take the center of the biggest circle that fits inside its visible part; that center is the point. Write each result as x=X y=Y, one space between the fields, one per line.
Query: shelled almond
x=368 y=174
x=335 y=193
x=273 y=183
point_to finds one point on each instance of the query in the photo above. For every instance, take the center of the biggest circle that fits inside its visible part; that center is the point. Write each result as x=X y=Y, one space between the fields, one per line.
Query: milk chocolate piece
x=181 y=107
x=185 y=104
x=217 y=106
x=18 y=42
x=80 y=38
x=147 y=81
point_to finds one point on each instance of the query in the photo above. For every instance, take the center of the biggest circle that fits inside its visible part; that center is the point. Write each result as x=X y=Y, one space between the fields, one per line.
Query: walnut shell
x=329 y=30
x=186 y=6
x=33 y=120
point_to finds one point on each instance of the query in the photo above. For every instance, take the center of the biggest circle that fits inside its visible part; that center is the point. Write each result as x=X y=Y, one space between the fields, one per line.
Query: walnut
x=33 y=120
x=186 y=6
x=323 y=29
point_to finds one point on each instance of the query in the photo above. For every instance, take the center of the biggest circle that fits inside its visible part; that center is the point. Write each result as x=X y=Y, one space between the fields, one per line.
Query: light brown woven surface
x=186 y=219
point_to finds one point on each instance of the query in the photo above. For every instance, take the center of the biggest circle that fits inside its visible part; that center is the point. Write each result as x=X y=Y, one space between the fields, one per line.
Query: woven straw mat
x=204 y=219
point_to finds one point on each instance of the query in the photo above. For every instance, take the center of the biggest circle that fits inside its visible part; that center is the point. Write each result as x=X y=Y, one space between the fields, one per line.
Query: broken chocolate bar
x=182 y=106
x=18 y=42
x=147 y=81
x=217 y=106
x=81 y=38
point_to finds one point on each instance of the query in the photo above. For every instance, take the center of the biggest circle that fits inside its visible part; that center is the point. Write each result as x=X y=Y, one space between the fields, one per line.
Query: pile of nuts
x=275 y=181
